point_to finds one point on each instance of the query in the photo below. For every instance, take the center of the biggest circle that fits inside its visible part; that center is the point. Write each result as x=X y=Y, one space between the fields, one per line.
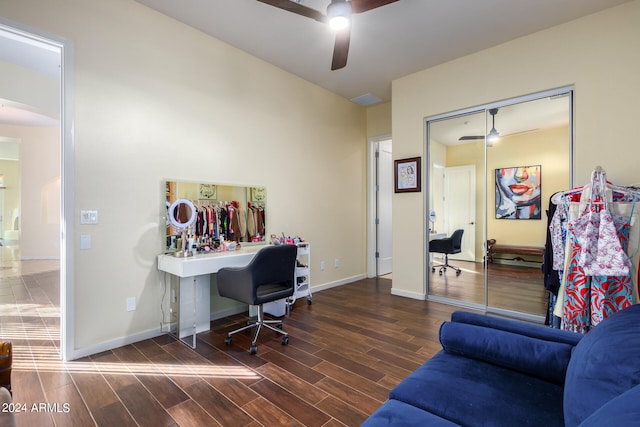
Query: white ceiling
x=32 y=55
x=386 y=43
x=534 y=115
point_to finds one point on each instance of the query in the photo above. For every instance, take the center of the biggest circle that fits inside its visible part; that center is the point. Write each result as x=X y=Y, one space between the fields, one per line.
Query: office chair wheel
x=285 y=340
x=440 y=272
x=253 y=349
x=308 y=300
x=433 y=269
x=228 y=340
x=458 y=272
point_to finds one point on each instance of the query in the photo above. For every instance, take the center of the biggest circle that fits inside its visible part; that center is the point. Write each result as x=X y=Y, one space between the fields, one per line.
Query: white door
x=460 y=207
x=384 y=194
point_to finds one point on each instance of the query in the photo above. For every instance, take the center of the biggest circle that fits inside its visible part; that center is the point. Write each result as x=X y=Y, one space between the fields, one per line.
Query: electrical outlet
x=336 y=263
x=323 y=265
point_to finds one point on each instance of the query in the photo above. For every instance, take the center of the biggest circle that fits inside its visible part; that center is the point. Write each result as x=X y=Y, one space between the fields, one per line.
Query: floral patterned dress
x=594 y=295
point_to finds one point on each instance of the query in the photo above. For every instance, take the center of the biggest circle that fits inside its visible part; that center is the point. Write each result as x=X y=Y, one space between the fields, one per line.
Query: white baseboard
x=412 y=295
x=118 y=342
x=228 y=312
x=329 y=285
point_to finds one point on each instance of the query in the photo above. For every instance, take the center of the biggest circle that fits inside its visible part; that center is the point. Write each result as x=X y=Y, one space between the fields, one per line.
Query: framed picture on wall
x=207 y=192
x=518 y=192
x=407 y=175
x=258 y=194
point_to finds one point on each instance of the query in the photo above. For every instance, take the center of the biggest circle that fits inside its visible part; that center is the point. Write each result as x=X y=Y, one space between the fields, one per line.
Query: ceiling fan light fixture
x=493 y=136
x=339 y=14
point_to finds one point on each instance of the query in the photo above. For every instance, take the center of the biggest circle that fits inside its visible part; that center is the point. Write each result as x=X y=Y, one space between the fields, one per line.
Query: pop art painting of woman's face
x=518 y=192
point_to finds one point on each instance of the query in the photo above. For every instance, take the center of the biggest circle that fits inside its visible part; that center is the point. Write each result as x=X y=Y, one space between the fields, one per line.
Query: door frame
x=372 y=144
x=67 y=202
x=472 y=110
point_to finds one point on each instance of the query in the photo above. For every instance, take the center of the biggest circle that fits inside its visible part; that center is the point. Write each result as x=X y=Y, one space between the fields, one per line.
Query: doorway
x=380 y=249
x=37 y=252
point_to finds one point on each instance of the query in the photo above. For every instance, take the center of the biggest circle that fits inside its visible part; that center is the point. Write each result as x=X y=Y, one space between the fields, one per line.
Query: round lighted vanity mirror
x=182 y=213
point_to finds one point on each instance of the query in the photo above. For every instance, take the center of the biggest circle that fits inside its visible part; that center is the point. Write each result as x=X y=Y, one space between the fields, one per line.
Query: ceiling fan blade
x=341 y=49
x=519 y=132
x=359 y=6
x=296 y=8
x=470 y=137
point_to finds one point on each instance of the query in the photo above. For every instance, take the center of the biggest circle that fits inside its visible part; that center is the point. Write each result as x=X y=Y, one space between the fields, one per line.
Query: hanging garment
x=601 y=251
x=551 y=278
x=577 y=288
x=589 y=298
x=251 y=222
x=558 y=235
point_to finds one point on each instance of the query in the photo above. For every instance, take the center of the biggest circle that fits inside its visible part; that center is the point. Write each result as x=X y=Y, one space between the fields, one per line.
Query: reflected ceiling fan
x=338 y=16
x=493 y=134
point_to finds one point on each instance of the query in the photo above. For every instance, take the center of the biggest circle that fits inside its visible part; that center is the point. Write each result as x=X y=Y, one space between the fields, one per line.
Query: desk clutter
x=303 y=272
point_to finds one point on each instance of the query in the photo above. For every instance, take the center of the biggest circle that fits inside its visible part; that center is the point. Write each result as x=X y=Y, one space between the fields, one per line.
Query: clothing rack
x=595 y=279
x=625 y=194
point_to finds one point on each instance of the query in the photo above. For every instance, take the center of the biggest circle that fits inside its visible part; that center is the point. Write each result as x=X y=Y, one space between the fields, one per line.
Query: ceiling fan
x=493 y=135
x=340 y=9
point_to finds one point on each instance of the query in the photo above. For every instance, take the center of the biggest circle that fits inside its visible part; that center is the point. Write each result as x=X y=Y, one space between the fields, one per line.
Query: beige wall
x=379 y=120
x=39 y=190
x=10 y=170
x=155 y=99
x=598 y=54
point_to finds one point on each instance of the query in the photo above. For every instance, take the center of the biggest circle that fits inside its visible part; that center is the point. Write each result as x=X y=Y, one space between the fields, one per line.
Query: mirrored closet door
x=491 y=172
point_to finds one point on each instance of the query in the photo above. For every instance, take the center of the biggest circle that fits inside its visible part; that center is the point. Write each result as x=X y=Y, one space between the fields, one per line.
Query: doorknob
x=472 y=223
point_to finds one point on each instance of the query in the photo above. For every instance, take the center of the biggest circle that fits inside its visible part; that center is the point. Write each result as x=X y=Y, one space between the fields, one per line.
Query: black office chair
x=270 y=276
x=447 y=246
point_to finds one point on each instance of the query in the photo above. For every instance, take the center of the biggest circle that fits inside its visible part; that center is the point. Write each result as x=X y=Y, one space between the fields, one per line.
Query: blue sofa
x=498 y=372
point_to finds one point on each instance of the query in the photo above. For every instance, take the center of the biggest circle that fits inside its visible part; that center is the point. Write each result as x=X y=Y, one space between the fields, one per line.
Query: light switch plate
x=85 y=241
x=131 y=304
x=88 y=217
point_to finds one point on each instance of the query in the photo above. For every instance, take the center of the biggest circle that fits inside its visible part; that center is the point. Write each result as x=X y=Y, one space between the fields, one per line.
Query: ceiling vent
x=366 y=100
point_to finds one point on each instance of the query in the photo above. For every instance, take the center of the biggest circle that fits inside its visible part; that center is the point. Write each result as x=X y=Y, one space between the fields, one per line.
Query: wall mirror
x=496 y=191
x=236 y=212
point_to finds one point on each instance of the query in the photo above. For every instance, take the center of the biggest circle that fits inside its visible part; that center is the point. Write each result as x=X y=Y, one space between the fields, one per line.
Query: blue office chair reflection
x=448 y=246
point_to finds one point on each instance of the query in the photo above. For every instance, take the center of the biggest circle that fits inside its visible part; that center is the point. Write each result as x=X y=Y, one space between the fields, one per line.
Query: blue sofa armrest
x=545 y=359
x=518 y=327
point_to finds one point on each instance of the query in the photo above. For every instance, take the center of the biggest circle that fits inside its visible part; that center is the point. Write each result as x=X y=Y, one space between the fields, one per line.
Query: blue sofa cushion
x=472 y=392
x=545 y=359
x=623 y=410
x=604 y=365
x=399 y=414
x=516 y=326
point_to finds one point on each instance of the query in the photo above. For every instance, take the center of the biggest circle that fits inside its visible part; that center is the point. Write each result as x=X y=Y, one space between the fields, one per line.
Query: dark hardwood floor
x=346 y=351
x=516 y=287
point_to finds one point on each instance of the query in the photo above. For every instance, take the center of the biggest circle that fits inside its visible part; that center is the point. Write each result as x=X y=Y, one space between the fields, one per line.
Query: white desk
x=193 y=290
